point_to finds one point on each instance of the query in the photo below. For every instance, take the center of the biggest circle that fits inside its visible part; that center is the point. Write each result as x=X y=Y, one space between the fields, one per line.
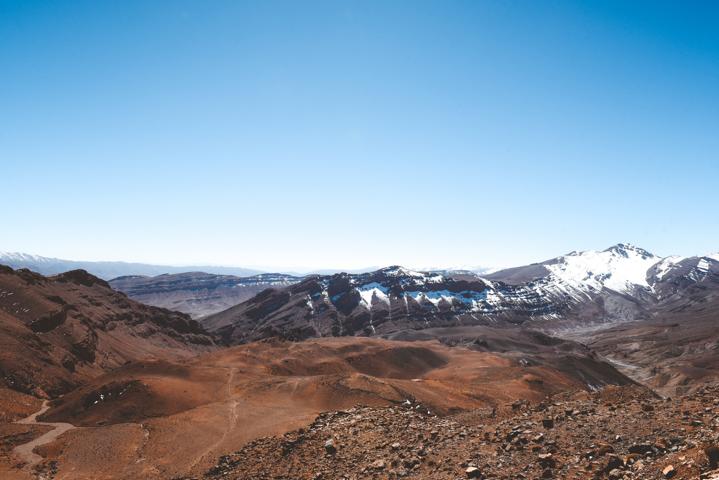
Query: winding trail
x=231 y=421
x=25 y=451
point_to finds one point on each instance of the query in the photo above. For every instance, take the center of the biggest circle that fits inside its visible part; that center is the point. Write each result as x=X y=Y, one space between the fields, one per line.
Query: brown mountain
x=58 y=332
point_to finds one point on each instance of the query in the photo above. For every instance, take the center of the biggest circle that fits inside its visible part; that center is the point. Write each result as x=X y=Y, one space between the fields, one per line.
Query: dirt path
x=231 y=423
x=25 y=451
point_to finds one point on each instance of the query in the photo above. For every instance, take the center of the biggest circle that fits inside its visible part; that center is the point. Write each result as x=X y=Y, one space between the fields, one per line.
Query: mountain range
x=108 y=270
x=96 y=385
x=581 y=295
x=540 y=360
x=574 y=291
x=593 y=297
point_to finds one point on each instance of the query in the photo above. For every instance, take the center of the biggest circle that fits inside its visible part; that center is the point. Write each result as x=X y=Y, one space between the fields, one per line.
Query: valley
x=461 y=371
x=173 y=419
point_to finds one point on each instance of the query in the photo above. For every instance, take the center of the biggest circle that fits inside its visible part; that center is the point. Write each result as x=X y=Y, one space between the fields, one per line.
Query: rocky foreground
x=617 y=433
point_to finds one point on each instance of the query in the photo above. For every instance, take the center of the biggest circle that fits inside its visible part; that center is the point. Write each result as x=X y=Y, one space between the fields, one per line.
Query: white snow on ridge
x=483 y=301
x=476 y=269
x=701 y=270
x=573 y=278
x=401 y=271
x=432 y=297
x=22 y=257
x=416 y=277
x=618 y=269
x=371 y=291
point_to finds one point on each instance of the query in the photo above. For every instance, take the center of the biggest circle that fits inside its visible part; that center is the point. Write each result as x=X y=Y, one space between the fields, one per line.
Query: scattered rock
x=712 y=453
x=641 y=449
x=546 y=460
x=613 y=461
x=473 y=472
x=330 y=447
x=378 y=465
x=601 y=439
x=615 y=473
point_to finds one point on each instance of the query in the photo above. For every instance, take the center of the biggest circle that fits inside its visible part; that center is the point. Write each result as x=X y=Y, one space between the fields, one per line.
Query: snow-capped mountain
x=621 y=268
x=621 y=283
x=579 y=289
x=18 y=257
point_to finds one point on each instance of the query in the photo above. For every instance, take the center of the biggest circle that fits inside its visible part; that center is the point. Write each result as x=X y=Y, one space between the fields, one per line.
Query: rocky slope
x=196 y=293
x=58 y=332
x=613 y=434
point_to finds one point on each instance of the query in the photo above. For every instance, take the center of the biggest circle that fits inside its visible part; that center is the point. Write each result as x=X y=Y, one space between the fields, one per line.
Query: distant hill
x=109 y=270
x=197 y=293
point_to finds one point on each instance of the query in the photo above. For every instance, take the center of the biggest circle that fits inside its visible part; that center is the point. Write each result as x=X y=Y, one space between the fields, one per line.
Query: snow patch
x=703 y=265
x=372 y=291
x=664 y=266
x=485 y=301
x=412 y=277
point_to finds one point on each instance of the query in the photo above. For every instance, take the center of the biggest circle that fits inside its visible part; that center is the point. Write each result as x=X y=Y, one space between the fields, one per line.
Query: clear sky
x=346 y=134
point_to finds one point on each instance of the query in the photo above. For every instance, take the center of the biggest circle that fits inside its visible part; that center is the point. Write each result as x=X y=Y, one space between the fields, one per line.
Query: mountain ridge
x=576 y=296
x=61 y=331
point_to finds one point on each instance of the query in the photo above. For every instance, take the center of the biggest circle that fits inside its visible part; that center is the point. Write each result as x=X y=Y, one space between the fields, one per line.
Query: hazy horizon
x=307 y=269
x=343 y=135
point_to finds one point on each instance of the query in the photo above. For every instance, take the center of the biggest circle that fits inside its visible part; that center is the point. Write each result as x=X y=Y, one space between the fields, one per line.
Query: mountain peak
x=82 y=277
x=625 y=249
x=399 y=271
x=621 y=268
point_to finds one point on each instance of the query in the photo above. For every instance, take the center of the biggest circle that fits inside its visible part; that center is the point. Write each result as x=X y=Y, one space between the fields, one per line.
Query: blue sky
x=346 y=134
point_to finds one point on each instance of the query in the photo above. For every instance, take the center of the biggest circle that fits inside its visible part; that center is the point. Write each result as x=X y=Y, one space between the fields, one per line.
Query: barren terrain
x=161 y=420
x=619 y=433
